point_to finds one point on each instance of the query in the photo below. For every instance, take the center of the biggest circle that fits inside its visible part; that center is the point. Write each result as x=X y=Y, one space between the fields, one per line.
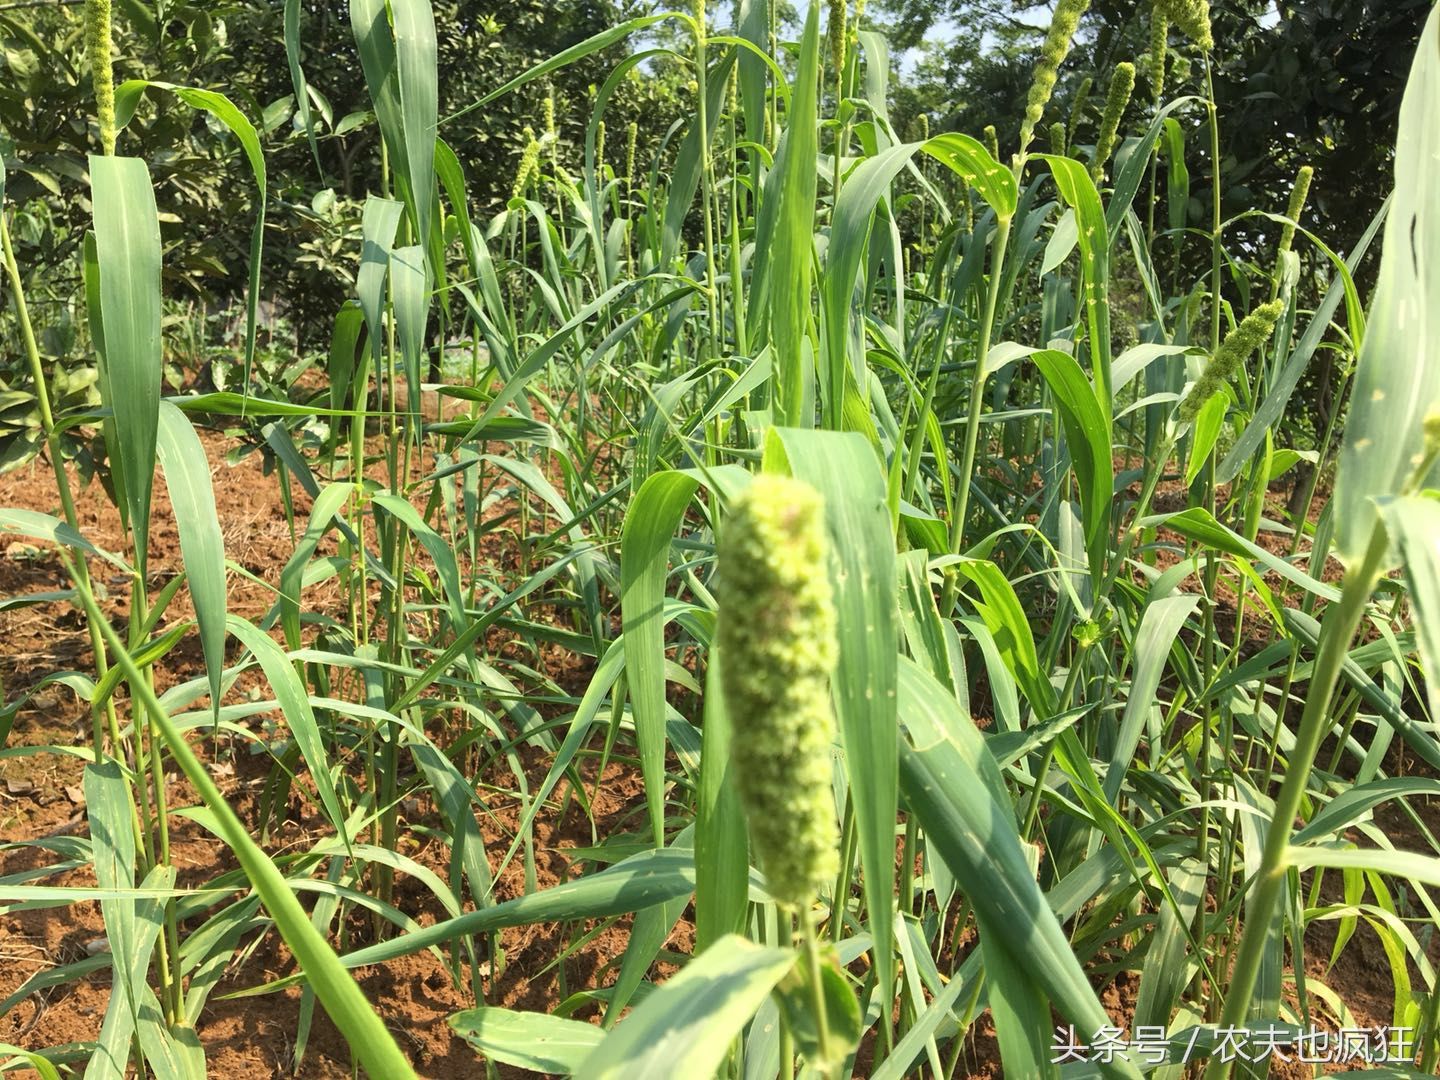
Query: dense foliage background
x=1315 y=82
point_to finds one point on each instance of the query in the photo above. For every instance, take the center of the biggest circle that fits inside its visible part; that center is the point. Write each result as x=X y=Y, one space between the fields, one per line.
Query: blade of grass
x=187 y=476
x=127 y=243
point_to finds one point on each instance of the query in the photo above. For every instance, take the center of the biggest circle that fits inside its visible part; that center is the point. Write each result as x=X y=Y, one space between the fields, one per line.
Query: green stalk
x=1032 y=814
x=707 y=173
x=839 y=900
x=830 y=1070
x=927 y=404
x=1314 y=479
x=1215 y=251
x=839 y=35
x=150 y=762
x=1130 y=536
x=57 y=463
x=1431 y=1052
x=1337 y=631
x=737 y=207
x=977 y=393
x=1159 y=52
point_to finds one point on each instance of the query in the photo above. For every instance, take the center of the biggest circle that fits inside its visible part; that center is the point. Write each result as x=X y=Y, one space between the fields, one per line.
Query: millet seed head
x=1431 y=427
x=837 y=31
x=777 y=640
x=1254 y=330
x=1057 y=46
x=1193 y=19
x=97 y=51
x=1159 y=51
x=529 y=167
x=1122 y=84
x=1057 y=138
x=1298 y=194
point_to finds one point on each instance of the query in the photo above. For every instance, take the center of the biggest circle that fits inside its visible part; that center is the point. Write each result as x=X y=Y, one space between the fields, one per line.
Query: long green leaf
x=686 y=1027
x=1397 y=384
x=527 y=1040
x=641 y=881
x=399 y=61
x=187 y=476
x=1414 y=528
x=1087 y=434
x=1078 y=190
x=645 y=540
x=127 y=243
x=297 y=79
x=295 y=704
x=223 y=109
x=949 y=781
x=1199 y=524
x=843 y=468
x=721 y=845
x=1159 y=627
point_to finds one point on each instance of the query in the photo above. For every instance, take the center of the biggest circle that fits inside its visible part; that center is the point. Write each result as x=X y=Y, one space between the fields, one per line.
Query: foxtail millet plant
x=777 y=634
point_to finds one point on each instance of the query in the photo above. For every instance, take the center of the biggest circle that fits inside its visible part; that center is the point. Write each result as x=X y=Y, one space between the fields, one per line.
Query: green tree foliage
x=1298 y=82
x=200 y=172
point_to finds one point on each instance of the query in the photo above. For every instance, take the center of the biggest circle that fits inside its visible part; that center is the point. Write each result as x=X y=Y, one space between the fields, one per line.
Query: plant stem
x=707 y=175
x=1337 y=631
x=1215 y=222
x=62 y=480
x=817 y=989
x=977 y=393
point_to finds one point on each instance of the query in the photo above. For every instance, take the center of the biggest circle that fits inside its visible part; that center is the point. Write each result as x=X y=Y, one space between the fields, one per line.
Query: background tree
x=200 y=173
x=1298 y=82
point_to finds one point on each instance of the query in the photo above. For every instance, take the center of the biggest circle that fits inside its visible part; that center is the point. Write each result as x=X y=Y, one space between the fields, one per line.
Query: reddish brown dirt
x=40 y=796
